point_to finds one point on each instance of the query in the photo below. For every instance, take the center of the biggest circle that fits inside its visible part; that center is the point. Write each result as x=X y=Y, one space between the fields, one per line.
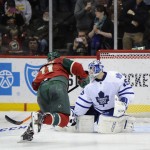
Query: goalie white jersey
x=101 y=93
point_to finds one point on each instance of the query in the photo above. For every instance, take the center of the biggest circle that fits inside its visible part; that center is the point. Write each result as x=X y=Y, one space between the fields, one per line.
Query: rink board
x=19 y=95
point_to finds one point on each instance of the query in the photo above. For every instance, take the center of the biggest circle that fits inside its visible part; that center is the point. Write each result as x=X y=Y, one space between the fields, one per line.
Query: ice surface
x=51 y=139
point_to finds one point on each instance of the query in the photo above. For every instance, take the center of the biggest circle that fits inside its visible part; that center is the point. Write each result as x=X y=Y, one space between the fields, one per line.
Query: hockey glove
x=124 y=100
x=72 y=118
x=35 y=85
x=83 y=82
x=120 y=107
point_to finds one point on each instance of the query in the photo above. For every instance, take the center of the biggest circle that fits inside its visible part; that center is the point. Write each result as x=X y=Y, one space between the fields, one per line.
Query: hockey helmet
x=52 y=55
x=95 y=67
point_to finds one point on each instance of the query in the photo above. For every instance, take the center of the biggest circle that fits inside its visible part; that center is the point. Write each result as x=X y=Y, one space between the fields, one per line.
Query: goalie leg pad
x=85 y=124
x=129 y=124
x=110 y=124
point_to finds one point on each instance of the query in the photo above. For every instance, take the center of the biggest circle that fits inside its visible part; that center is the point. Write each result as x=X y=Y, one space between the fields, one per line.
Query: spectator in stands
x=25 y=8
x=108 y=5
x=33 y=46
x=81 y=45
x=102 y=33
x=133 y=18
x=44 y=32
x=12 y=21
x=84 y=14
x=38 y=6
x=3 y=48
x=40 y=28
x=35 y=9
x=12 y=42
x=15 y=44
x=10 y=12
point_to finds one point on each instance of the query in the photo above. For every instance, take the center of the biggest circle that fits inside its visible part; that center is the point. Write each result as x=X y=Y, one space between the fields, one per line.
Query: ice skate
x=37 y=119
x=28 y=134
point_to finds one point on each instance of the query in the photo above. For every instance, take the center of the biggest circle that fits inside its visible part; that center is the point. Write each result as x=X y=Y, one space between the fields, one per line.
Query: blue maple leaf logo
x=102 y=99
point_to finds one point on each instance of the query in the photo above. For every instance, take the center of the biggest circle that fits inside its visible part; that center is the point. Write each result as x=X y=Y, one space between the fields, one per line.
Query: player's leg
x=54 y=103
x=55 y=108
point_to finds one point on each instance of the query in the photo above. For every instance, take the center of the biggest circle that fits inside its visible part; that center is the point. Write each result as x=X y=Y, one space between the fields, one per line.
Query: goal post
x=135 y=66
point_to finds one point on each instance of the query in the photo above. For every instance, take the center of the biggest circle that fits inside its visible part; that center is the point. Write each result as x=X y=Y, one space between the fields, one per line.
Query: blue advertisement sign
x=8 y=79
x=30 y=73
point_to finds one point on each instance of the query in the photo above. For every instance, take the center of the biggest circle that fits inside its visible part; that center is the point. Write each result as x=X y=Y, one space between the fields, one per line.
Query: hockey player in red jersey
x=51 y=83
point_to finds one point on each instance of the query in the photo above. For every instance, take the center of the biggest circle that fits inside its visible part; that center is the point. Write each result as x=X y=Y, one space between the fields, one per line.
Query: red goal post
x=135 y=65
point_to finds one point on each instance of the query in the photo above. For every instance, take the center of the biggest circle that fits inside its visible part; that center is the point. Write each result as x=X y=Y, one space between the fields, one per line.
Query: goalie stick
x=26 y=119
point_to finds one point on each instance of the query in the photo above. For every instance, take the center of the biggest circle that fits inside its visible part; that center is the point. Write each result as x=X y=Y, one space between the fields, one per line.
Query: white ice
x=49 y=139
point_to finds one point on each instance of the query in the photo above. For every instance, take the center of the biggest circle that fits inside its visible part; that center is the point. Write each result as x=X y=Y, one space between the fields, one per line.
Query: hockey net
x=135 y=65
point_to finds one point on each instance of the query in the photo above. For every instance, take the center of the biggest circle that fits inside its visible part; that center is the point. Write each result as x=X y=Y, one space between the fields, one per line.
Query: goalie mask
x=95 y=68
x=52 y=55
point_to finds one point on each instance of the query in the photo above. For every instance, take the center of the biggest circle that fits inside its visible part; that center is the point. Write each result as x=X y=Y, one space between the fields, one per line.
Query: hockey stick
x=16 y=122
x=73 y=88
x=26 y=119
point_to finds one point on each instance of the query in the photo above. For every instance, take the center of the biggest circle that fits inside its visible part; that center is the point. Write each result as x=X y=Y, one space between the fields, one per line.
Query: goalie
x=107 y=97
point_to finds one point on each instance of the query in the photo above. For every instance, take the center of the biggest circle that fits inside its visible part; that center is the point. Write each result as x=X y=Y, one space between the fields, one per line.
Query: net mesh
x=127 y=62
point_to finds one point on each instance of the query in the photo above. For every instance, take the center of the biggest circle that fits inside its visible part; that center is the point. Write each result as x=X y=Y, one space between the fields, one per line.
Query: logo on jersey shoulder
x=118 y=75
x=102 y=99
x=30 y=73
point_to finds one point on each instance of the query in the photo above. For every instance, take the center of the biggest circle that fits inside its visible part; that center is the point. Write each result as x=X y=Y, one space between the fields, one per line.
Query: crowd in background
x=80 y=27
x=24 y=27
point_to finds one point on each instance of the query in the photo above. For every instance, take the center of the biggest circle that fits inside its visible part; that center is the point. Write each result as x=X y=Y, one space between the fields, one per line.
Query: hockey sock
x=56 y=119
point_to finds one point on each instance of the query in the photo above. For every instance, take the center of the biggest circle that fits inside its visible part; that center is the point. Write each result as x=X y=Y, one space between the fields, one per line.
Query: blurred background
x=35 y=27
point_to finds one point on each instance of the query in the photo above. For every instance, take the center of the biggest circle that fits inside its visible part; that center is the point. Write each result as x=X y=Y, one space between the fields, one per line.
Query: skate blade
x=23 y=141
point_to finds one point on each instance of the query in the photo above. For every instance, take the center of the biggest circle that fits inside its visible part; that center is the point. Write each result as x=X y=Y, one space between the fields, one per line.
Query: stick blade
x=13 y=121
